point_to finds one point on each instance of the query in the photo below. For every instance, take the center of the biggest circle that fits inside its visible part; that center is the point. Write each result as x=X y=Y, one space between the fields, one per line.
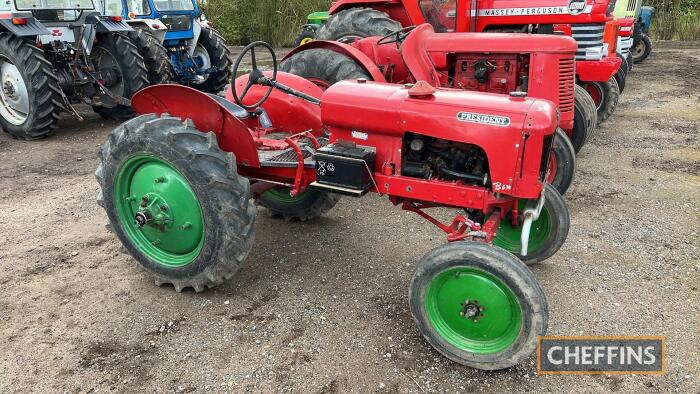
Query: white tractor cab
x=56 y=53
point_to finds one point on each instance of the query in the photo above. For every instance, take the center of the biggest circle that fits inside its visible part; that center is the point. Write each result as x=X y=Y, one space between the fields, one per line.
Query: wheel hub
x=472 y=310
x=159 y=211
x=10 y=89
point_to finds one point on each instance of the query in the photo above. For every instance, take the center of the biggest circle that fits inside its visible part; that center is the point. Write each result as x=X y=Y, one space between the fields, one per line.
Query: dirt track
x=322 y=306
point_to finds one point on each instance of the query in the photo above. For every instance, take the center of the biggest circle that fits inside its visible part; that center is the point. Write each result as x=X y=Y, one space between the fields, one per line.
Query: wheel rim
x=473 y=310
x=552 y=168
x=201 y=52
x=158 y=211
x=596 y=92
x=349 y=39
x=305 y=41
x=281 y=195
x=14 y=96
x=111 y=74
x=508 y=237
x=638 y=50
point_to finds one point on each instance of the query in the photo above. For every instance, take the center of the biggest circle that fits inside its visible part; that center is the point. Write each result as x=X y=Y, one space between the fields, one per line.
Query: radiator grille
x=567 y=71
x=631 y=5
x=587 y=36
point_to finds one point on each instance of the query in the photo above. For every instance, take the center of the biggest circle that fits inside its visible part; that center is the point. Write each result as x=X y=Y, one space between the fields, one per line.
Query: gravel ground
x=322 y=306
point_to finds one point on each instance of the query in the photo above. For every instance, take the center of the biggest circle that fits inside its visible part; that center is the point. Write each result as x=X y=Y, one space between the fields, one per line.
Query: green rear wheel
x=478 y=305
x=175 y=201
x=305 y=206
x=547 y=234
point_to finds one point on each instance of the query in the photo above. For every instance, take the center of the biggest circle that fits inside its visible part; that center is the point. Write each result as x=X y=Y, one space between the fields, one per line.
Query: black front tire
x=218 y=52
x=354 y=23
x=155 y=56
x=496 y=263
x=132 y=74
x=565 y=158
x=609 y=92
x=588 y=110
x=224 y=196
x=44 y=93
x=641 y=49
x=621 y=74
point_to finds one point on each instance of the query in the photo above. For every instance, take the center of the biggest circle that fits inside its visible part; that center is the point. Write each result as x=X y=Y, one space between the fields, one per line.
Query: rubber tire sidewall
x=565 y=161
x=34 y=127
x=217 y=231
x=504 y=266
x=345 y=23
x=647 y=50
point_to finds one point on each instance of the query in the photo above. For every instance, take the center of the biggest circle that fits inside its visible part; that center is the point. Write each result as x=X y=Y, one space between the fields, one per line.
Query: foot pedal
x=344 y=169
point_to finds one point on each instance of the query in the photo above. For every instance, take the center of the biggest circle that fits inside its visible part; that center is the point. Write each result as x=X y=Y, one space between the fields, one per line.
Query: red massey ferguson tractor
x=177 y=184
x=541 y=66
x=584 y=20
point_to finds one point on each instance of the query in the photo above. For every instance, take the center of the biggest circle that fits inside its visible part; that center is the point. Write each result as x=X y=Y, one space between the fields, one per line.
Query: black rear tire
x=224 y=196
x=323 y=65
x=641 y=49
x=495 y=265
x=155 y=56
x=354 y=23
x=309 y=205
x=565 y=161
x=133 y=74
x=215 y=45
x=44 y=94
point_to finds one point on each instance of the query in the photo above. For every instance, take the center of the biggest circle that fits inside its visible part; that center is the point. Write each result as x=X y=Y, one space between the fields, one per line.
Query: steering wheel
x=255 y=77
x=396 y=36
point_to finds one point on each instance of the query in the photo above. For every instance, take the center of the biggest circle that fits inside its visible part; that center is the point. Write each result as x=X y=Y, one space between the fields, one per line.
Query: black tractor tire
x=641 y=49
x=309 y=205
x=44 y=92
x=565 y=156
x=323 y=65
x=625 y=64
x=132 y=68
x=155 y=56
x=215 y=45
x=224 y=196
x=305 y=36
x=559 y=222
x=610 y=94
x=353 y=23
x=498 y=264
x=579 y=134
x=621 y=78
x=585 y=102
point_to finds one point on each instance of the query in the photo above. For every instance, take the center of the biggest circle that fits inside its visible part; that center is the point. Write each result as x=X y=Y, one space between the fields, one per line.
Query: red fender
x=347 y=50
x=207 y=114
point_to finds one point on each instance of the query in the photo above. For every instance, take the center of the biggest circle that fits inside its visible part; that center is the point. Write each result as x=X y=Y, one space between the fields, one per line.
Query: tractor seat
x=233 y=108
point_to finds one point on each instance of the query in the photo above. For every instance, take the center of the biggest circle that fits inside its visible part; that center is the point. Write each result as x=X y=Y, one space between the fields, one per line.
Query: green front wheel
x=547 y=234
x=478 y=305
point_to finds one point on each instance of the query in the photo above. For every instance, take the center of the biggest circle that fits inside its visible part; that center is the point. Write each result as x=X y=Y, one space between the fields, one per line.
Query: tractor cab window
x=138 y=7
x=442 y=14
x=25 y=5
x=174 y=5
x=112 y=7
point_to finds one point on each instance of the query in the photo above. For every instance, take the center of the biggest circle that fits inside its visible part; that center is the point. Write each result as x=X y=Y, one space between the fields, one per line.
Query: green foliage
x=275 y=21
x=676 y=19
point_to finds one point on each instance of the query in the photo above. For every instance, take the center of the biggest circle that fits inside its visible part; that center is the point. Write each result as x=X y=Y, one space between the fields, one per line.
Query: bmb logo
x=576 y=6
x=601 y=355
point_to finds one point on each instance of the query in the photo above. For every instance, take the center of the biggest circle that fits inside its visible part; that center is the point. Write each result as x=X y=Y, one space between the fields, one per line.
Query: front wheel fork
x=531 y=213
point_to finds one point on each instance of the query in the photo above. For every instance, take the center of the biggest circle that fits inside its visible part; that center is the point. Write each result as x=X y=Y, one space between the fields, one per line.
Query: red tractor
x=177 y=184
x=584 y=20
x=541 y=66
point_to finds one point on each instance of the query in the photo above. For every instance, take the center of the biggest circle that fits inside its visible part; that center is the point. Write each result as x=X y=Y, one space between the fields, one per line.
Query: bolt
x=160 y=179
x=163 y=207
x=185 y=226
x=155 y=242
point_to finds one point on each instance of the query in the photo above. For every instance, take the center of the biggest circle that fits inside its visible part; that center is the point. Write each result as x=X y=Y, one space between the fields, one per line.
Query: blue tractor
x=177 y=43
